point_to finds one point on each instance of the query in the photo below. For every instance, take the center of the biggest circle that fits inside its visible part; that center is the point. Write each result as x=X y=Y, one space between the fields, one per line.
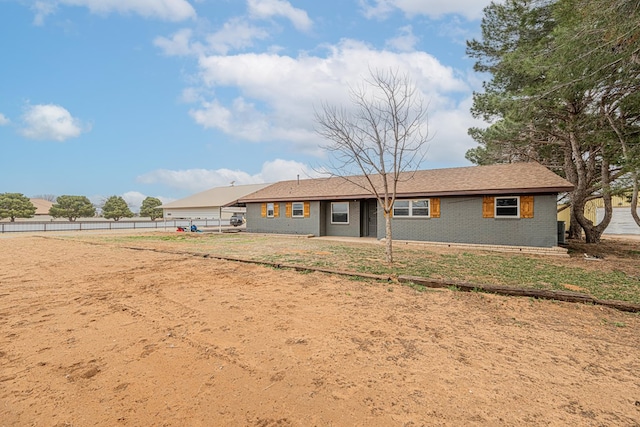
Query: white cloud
x=3 y=120
x=235 y=34
x=134 y=200
x=195 y=180
x=50 y=122
x=448 y=128
x=283 y=170
x=405 y=41
x=167 y=10
x=470 y=9
x=179 y=44
x=269 y=8
x=42 y=9
x=278 y=94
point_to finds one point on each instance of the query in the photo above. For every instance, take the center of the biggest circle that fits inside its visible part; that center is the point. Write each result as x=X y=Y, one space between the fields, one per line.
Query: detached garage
x=217 y=203
x=621 y=221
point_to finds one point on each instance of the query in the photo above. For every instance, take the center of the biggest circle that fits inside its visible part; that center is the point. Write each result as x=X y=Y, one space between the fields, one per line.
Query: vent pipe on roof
x=298 y=179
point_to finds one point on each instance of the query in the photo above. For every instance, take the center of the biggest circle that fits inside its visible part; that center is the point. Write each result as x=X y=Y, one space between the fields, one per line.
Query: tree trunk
x=575 y=231
x=634 y=198
x=605 y=178
x=586 y=171
x=388 y=237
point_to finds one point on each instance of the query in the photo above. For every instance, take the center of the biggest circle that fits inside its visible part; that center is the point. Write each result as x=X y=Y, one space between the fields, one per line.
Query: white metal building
x=217 y=203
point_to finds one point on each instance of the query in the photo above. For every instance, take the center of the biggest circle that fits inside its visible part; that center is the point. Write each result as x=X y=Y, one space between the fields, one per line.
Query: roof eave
x=491 y=192
x=487 y=192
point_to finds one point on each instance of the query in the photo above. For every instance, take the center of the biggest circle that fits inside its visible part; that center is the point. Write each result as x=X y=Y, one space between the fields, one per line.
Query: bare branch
x=382 y=135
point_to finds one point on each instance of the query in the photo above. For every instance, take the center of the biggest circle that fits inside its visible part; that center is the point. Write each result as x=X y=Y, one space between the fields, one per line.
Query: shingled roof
x=42 y=206
x=513 y=178
x=218 y=196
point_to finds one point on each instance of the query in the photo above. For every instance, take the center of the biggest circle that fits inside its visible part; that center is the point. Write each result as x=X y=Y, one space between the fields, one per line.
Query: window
x=340 y=213
x=411 y=208
x=507 y=207
x=401 y=208
x=270 y=210
x=420 y=207
x=297 y=210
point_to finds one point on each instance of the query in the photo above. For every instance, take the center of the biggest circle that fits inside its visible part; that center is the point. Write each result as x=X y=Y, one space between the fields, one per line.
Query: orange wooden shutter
x=487 y=206
x=526 y=206
x=288 y=210
x=264 y=210
x=435 y=207
x=276 y=210
x=307 y=209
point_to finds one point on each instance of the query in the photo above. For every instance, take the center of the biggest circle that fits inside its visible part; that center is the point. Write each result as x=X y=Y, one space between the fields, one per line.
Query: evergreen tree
x=562 y=92
x=16 y=205
x=116 y=208
x=72 y=208
x=150 y=208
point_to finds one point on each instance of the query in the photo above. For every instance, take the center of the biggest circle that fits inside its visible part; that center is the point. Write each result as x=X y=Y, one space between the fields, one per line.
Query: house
x=506 y=204
x=42 y=207
x=215 y=203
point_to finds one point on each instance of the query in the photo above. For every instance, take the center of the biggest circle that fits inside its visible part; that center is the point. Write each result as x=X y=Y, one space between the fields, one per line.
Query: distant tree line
x=17 y=205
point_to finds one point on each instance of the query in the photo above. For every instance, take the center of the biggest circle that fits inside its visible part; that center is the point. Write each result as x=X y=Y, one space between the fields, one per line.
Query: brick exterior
x=344 y=230
x=461 y=221
x=283 y=225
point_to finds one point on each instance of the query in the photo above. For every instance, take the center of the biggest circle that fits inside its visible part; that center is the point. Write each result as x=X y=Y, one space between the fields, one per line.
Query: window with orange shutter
x=297 y=210
x=507 y=207
x=526 y=206
x=435 y=207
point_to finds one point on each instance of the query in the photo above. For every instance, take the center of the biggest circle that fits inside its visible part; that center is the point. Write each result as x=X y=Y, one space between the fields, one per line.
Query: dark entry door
x=369 y=220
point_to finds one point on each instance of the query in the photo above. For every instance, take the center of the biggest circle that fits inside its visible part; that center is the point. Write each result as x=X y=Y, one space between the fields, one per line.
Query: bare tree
x=382 y=136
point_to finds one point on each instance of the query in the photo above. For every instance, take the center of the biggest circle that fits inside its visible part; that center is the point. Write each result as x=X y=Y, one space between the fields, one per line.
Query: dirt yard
x=99 y=335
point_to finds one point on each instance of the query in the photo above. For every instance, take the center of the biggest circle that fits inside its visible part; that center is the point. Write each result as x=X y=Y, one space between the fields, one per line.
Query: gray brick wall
x=283 y=225
x=344 y=230
x=318 y=223
x=461 y=221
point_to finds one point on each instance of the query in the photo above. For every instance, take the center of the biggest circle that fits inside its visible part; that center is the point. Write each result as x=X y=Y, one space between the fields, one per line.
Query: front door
x=369 y=218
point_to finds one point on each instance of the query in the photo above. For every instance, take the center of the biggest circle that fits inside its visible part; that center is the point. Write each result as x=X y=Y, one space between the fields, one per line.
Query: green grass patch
x=518 y=270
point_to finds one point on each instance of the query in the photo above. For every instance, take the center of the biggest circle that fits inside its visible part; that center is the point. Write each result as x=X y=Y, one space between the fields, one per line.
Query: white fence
x=40 y=226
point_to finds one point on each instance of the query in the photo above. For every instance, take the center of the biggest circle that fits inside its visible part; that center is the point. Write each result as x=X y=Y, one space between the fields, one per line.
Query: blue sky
x=166 y=98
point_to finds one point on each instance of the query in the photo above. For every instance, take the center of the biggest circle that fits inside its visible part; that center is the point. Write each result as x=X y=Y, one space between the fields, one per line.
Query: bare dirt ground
x=99 y=335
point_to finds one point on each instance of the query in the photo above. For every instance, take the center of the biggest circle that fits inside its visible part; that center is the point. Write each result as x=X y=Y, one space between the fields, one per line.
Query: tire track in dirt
x=102 y=335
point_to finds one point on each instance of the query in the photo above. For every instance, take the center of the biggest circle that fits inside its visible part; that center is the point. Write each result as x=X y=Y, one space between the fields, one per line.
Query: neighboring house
x=216 y=203
x=508 y=204
x=621 y=220
x=42 y=207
